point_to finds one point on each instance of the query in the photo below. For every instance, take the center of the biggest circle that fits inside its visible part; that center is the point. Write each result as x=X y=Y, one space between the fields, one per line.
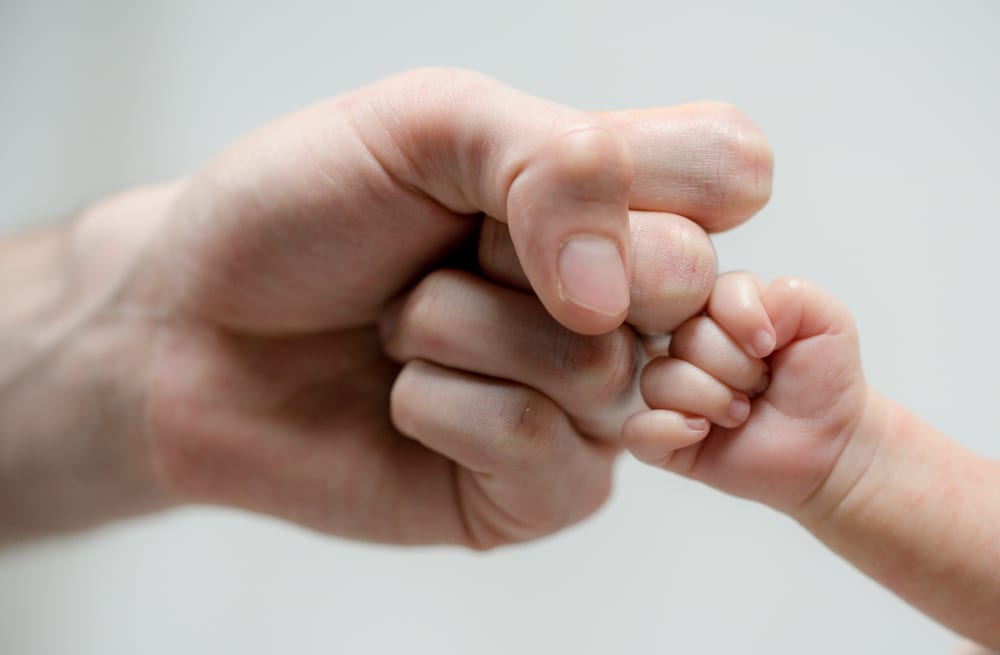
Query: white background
x=884 y=120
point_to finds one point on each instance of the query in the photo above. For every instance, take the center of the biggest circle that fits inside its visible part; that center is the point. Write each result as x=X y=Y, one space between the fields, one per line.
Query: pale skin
x=764 y=397
x=761 y=396
x=216 y=338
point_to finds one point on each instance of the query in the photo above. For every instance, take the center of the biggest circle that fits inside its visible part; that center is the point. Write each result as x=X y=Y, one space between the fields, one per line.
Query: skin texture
x=216 y=339
x=889 y=493
x=761 y=396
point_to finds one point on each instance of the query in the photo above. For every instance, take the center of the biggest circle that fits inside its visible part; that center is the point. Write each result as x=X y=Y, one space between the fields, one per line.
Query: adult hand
x=257 y=288
x=529 y=411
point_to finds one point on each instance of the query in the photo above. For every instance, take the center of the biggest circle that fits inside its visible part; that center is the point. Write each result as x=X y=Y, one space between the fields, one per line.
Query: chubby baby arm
x=792 y=423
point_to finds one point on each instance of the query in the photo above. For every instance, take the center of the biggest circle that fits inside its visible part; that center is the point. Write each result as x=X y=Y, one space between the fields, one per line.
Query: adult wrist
x=74 y=342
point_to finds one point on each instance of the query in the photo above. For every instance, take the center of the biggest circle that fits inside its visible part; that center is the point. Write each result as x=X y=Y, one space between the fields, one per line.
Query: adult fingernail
x=762 y=343
x=592 y=275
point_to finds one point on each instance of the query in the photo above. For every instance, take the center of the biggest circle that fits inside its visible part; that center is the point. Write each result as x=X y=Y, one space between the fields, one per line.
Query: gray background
x=883 y=117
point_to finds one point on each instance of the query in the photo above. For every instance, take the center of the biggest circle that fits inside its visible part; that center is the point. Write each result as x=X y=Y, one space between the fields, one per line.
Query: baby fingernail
x=762 y=343
x=697 y=424
x=739 y=409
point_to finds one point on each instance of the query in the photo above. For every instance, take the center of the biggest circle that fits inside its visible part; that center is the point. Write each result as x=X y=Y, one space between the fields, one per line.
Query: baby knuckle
x=684 y=342
x=653 y=374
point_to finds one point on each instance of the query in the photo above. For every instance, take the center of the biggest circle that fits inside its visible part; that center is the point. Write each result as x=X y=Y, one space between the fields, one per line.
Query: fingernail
x=761 y=387
x=697 y=423
x=762 y=343
x=592 y=275
x=739 y=408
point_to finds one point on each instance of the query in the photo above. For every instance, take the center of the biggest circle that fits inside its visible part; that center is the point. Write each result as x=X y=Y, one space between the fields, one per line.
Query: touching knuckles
x=673 y=272
x=461 y=322
x=678 y=385
x=674 y=267
x=599 y=369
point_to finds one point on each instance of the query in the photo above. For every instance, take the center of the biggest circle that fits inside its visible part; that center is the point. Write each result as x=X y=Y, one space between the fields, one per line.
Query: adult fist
x=267 y=386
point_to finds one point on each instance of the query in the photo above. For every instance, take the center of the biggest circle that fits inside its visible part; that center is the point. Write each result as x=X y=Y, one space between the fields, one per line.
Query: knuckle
x=669 y=384
x=790 y=283
x=603 y=366
x=534 y=424
x=621 y=369
x=652 y=375
x=593 y=160
x=439 y=82
x=684 y=343
x=423 y=324
x=737 y=279
x=674 y=275
x=403 y=412
x=744 y=164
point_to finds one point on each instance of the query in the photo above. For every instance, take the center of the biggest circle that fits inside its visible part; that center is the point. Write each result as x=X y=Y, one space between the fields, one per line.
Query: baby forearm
x=70 y=369
x=924 y=521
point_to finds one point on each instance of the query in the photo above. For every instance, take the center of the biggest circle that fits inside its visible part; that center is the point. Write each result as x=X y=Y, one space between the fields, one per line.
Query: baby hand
x=759 y=397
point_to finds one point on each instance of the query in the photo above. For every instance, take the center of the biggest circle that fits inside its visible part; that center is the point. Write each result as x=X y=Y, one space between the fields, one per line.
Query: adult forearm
x=72 y=351
x=923 y=521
